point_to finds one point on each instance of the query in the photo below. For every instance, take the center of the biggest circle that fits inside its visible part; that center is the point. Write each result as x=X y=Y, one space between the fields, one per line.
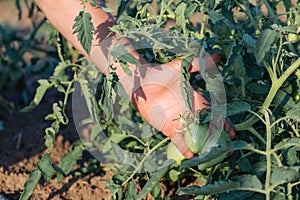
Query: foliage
x=260 y=71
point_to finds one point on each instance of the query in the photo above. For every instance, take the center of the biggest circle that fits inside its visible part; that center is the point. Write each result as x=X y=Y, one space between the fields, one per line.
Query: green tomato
x=195 y=136
x=174 y=154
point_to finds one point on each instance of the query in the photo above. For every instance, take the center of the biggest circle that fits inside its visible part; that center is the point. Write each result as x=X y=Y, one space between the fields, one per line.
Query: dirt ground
x=21 y=146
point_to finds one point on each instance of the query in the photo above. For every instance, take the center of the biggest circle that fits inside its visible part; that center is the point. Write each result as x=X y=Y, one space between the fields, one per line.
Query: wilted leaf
x=45 y=166
x=31 y=183
x=39 y=94
x=70 y=159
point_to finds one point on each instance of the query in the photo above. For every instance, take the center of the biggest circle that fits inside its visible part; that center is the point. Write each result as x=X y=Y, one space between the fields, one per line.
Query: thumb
x=210 y=62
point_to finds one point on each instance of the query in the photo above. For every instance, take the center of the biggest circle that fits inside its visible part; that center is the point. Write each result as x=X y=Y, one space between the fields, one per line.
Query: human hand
x=156 y=92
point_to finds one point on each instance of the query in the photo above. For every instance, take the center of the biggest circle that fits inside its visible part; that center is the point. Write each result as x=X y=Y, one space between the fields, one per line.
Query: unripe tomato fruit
x=174 y=154
x=195 y=136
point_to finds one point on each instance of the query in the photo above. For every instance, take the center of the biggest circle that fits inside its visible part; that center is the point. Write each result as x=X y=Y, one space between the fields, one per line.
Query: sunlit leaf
x=39 y=94
x=84 y=28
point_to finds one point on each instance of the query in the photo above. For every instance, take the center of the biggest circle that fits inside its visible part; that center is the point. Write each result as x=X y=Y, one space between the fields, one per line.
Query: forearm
x=61 y=14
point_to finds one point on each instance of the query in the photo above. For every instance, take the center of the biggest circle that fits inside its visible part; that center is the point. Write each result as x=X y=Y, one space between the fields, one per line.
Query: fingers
x=179 y=142
x=210 y=62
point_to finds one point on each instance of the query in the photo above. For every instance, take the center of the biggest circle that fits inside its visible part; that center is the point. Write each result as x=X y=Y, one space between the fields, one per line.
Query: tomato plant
x=259 y=70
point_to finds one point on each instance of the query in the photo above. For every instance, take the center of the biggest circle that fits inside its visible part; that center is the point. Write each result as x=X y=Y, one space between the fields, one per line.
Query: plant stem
x=268 y=155
x=202 y=30
x=274 y=88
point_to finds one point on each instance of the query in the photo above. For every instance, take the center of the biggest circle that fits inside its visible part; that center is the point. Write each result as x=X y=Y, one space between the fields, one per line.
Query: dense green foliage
x=260 y=71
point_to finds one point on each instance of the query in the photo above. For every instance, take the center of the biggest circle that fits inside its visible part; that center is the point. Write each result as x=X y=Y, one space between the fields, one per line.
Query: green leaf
x=244 y=164
x=96 y=130
x=156 y=191
x=259 y=168
x=216 y=153
x=292 y=156
x=31 y=183
x=180 y=16
x=154 y=180
x=235 y=64
x=106 y=99
x=45 y=166
x=58 y=113
x=125 y=68
x=258 y=87
x=70 y=159
x=283 y=100
x=281 y=175
x=294 y=113
x=215 y=188
x=39 y=94
x=237 y=107
x=174 y=175
x=88 y=90
x=59 y=70
x=249 y=42
x=106 y=9
x=123 y=156
x=263 y=44
x=185 y=84
x=49 y=137
x=248 y=181
x=120 y=53
x=130 y=191
x=285 y=143
x=190 y=10
x=84 y=28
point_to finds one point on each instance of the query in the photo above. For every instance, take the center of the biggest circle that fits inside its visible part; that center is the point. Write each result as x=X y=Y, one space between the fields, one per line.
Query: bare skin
x=155 y=91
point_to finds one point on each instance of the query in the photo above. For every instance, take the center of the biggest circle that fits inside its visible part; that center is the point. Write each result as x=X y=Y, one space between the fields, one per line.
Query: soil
x=22 y=145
